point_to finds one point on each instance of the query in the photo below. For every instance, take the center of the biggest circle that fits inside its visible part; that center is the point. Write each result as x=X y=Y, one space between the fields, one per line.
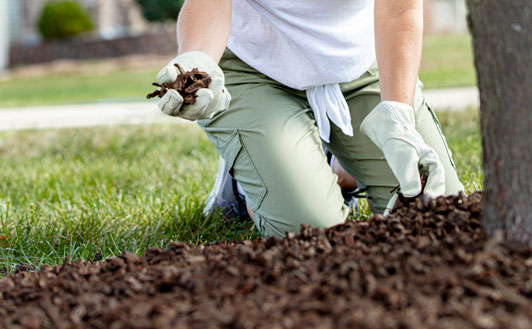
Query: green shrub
x=160 y=10
x=64 y=19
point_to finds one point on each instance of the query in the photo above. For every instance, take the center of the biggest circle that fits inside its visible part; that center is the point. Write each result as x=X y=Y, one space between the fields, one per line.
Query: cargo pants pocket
x=241 y=167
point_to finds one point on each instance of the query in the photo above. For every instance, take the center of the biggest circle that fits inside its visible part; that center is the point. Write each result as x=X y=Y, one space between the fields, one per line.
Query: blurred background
x=108 y=50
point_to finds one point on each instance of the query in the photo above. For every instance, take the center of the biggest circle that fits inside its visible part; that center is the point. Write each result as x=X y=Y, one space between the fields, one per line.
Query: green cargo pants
x=271 y=145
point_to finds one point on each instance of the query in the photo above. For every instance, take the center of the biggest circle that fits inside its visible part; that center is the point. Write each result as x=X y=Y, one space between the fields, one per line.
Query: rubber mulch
x=427 y=266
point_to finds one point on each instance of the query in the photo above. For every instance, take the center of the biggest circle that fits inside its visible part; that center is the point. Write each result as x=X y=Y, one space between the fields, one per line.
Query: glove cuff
x=388 y=120
x=198 y=57
x=200 y=60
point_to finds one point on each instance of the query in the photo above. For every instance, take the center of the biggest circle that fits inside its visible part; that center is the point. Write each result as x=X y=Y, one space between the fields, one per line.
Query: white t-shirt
x=304 y=43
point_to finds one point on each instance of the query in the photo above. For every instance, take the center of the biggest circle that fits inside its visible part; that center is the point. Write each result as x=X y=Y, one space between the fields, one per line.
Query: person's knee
x=278 y=227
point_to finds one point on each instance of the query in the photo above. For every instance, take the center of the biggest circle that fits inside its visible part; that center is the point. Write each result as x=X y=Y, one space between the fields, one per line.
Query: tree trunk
x=502 y=40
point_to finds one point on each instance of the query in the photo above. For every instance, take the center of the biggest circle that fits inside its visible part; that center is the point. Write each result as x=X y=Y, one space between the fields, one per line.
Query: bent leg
x=272 y=147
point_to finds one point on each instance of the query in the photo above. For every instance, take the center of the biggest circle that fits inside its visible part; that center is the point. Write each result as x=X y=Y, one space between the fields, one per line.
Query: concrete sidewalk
x=87 y=115
x=452 y=99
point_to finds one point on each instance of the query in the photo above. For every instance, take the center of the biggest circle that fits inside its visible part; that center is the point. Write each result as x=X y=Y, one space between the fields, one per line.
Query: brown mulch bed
x=429 y=266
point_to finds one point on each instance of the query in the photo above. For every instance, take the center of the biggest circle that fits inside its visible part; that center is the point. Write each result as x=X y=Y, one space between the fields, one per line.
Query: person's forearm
x=398 y=39
x=204 y=25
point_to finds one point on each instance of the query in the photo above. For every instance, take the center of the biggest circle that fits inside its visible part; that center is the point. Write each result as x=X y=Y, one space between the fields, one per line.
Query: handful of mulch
x=186 y=84
x=403 y=201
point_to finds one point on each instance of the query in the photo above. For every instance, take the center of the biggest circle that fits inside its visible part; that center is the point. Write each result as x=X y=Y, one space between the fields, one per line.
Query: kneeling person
x=303 y=73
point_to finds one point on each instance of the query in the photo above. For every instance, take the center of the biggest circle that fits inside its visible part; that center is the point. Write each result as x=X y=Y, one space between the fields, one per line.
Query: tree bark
x=502 y=40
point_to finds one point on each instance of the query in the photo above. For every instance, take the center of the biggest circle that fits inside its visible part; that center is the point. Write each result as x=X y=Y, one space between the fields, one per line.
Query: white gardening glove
x=391 y=126
x=209 y=101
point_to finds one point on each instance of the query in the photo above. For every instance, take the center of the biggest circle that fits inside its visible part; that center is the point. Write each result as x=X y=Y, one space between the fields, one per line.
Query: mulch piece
x=426 y=266
x=186 y=84
x=403 y=201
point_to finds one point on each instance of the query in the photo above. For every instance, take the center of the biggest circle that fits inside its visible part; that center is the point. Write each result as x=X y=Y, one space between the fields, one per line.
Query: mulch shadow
x=427 y=266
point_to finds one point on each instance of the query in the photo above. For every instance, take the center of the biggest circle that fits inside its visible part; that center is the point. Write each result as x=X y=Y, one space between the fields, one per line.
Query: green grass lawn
x=77 y=88
x=78 y=192
x=447 y=62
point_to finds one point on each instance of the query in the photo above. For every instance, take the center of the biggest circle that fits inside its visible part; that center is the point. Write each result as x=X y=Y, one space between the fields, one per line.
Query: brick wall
x=163 y=43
